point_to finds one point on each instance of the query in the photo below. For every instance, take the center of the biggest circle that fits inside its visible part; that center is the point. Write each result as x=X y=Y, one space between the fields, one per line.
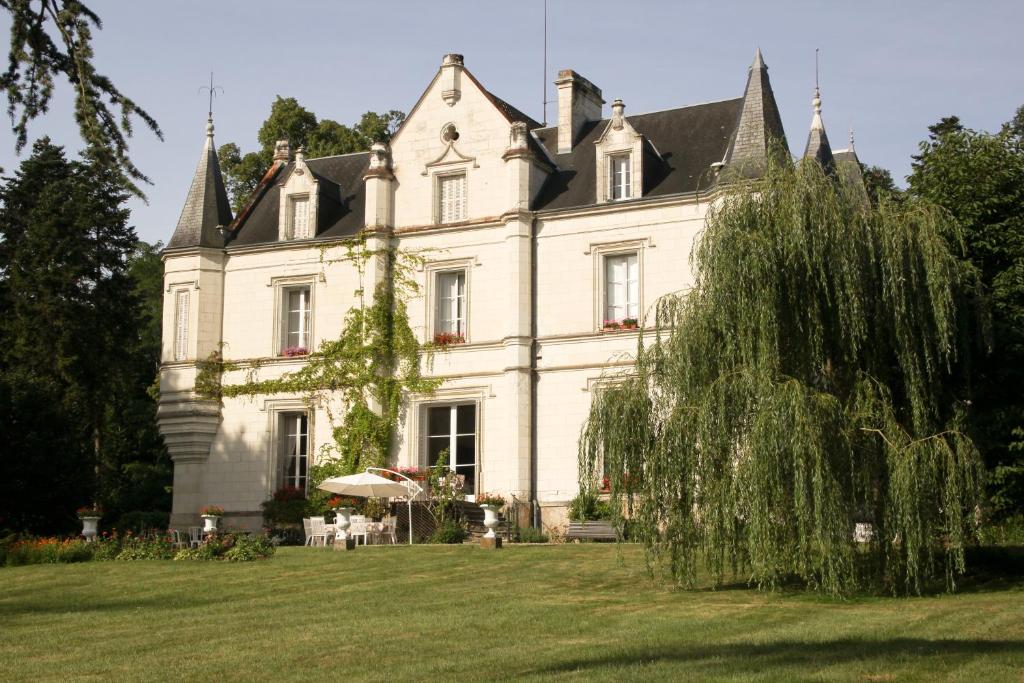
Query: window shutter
x=181 y=325
x=452 y=198
x=632 y=286
x=300 y=218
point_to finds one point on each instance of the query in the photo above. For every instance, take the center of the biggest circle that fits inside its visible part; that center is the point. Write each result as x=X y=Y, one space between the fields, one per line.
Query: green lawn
x=584 y=612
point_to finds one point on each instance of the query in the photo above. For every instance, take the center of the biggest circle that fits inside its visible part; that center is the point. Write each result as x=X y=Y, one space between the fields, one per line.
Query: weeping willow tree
x=807 y=386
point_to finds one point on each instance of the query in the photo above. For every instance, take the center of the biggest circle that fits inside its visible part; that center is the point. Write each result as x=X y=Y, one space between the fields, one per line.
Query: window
x=620 y=175
x=294 y=458
x=453 y=428
x=296 y=321
x=451 y=198
x=621 y=287
x=451 y=306
x=300 y=217
x=181 y=325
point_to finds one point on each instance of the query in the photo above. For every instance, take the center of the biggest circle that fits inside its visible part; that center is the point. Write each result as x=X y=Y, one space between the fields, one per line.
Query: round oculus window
x=449 y=133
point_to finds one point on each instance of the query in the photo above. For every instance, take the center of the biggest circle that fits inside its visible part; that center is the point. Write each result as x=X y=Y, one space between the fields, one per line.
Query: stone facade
x=528 y=224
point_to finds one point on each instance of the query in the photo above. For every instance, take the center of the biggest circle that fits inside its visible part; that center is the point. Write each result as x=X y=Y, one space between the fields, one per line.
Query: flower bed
x=129 y=547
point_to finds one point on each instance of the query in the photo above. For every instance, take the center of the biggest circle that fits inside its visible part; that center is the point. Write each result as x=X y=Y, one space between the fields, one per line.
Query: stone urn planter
x=342 y=522
x=210 y=523
x=90 y=526
x=490 y=518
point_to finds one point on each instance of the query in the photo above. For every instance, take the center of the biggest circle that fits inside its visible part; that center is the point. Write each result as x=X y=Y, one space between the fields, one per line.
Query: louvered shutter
x=181 y=325
x=300 y=218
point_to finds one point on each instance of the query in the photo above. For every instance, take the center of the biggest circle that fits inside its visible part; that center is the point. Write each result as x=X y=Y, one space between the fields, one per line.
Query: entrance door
x=453 y=427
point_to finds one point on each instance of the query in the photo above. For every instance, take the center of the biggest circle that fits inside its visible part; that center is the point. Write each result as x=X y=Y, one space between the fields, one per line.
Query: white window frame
x=305 y=319
x=181 y=324
x=630 y=306
x=432 y=299
x=290 y=422
x=440 y=216
x=623 y=184
x=281 y=287
x=599 y=252
x=453 y=434
x=455 y=316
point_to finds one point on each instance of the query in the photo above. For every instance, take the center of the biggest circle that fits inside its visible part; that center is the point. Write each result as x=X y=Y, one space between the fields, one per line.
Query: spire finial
x=851 y=138
x=212 y=89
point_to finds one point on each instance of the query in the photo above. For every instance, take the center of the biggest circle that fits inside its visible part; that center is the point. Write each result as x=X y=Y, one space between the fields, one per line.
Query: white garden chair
x=318 y=530
x=389 y=528
x=177 y=539
x=307 y=531
x=358 y=527
x=195 y=536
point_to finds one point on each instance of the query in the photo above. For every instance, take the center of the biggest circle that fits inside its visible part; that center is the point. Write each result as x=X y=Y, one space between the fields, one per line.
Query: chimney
x=282 y=151
x=579 y=101
x=451 y=78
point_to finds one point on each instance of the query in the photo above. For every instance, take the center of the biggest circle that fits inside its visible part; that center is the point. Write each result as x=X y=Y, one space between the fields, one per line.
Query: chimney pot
x=282 y=151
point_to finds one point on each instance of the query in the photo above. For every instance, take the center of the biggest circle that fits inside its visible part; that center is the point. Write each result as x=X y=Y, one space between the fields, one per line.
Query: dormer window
x=620 y=174
x=298 y=214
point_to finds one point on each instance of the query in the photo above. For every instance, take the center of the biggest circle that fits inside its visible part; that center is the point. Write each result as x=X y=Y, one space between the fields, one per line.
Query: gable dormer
x=300 y=200
x=619 y=158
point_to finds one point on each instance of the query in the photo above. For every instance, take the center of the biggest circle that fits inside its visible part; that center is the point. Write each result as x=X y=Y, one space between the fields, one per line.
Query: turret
x=759 y=125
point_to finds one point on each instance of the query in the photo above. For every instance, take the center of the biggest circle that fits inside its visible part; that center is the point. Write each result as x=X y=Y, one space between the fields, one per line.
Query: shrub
x=587 y=507
x=141 y=521
x=1008 y=532
x=249 y=548
x=528 y=534
x=288 y=505
x=46 y=551
x=145 y=548
x=288 y=535
x=449 y=531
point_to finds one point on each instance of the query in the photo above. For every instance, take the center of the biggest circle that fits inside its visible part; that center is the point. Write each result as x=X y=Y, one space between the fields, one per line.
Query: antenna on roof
x=544 y=97
x=213 y=93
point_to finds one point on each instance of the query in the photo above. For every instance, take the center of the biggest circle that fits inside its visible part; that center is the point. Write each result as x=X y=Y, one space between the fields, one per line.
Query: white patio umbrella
x=364 y=485
x=370 y=485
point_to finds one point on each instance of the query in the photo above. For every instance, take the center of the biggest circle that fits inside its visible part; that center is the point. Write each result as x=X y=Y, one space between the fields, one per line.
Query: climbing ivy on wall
x=810 y=381
x=359 y=379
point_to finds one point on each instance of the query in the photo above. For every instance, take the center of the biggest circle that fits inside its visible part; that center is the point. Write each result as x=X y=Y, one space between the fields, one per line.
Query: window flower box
x=293 y=351
x=619 y=325
x=444 y=339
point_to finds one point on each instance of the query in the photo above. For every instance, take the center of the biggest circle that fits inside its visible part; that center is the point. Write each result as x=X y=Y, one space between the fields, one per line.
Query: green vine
x=368 y=369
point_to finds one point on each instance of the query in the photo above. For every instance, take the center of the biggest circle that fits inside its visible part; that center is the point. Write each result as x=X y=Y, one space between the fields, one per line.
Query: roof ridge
x=656 y=111
x=335 y=156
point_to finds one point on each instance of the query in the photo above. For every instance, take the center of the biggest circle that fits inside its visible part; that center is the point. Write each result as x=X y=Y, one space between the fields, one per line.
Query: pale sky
x=888 y=69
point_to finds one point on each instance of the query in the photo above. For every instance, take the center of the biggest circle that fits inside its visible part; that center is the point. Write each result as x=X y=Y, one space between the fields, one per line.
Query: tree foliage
x=51 y=39
x=73 y=367
x=290 y=121
x=810 y=380
x=978 y=178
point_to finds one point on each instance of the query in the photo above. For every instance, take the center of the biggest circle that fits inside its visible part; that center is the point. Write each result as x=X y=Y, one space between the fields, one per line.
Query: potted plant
x=630 y=323
x=90 y=517
x=610 y=325
x=292 y=351
x=211 y=514
x=446 y=339
x=491 y=504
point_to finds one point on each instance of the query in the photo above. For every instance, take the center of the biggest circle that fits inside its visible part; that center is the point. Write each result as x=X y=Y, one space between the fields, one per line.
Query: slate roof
x=342 y=201
x=850 y=173
x=206 y=205
x=686 y=141
x=758 y=125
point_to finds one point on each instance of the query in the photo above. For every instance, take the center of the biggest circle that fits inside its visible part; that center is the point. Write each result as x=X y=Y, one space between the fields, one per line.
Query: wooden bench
x=600 y=530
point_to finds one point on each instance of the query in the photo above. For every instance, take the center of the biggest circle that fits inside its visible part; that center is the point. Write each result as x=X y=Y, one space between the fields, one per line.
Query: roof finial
x=816 y=102
x=209 y=112
x=851 y=138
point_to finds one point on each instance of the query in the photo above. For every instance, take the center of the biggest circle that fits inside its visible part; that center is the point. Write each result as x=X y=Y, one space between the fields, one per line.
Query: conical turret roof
x=759 y=123
x=207 y=204
x=817 y=140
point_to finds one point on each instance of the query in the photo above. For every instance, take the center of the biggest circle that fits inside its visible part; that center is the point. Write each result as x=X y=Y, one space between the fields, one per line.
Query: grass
x=580 y=612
